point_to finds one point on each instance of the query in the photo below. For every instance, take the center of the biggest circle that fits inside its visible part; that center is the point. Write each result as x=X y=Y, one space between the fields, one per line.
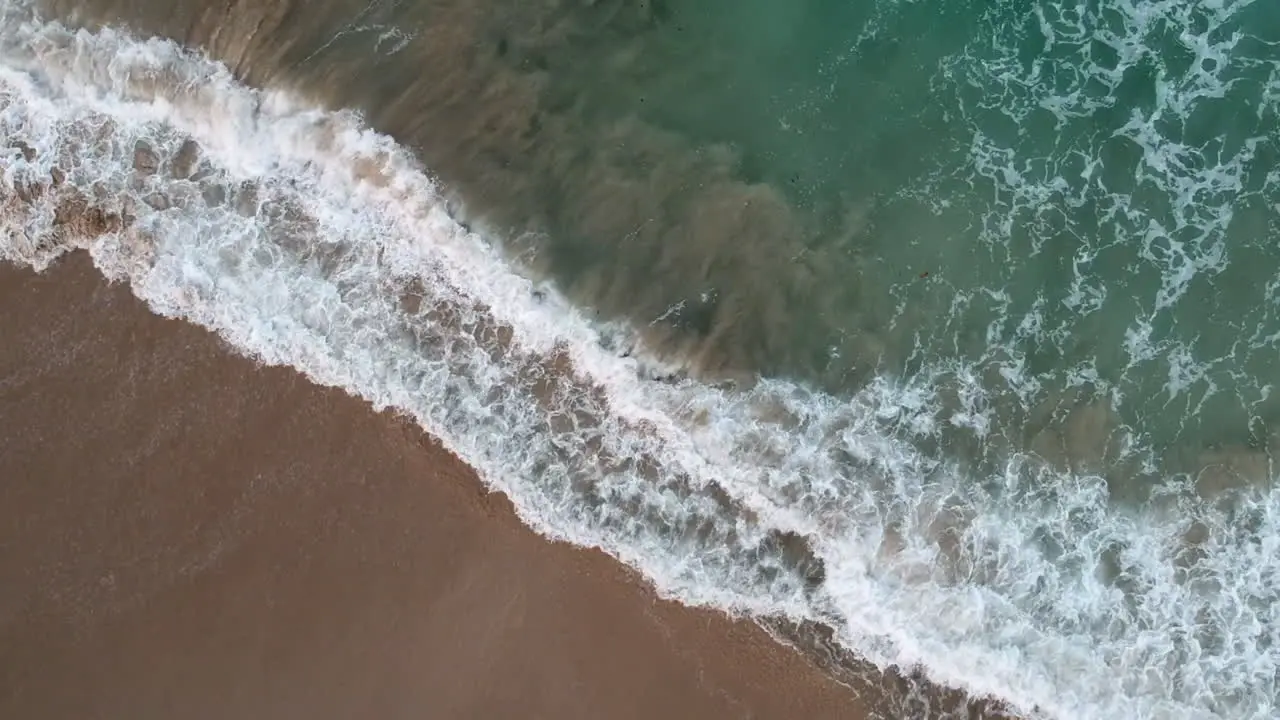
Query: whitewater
x=306 y=239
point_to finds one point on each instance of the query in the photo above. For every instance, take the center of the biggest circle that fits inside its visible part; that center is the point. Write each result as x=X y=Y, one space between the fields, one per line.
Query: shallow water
x=949 y=329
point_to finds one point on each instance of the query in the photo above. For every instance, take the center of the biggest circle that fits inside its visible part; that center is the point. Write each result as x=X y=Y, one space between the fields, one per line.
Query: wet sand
x=186 y=534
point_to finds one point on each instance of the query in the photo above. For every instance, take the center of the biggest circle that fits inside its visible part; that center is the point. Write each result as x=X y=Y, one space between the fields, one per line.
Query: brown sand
x=185 y=534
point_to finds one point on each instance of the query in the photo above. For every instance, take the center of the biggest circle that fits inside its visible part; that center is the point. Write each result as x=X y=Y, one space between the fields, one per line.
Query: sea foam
x=305 y=239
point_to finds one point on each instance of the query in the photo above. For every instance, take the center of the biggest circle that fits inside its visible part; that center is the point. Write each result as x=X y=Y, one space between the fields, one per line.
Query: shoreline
x=611 y=313
x=191 y=533
x=79 y=222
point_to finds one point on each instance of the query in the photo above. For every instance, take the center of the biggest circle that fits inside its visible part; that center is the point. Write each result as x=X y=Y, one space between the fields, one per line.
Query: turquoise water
x=1056 y=196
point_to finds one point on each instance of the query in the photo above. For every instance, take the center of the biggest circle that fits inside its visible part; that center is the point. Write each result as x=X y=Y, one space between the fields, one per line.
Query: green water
x=1031 y=206
x=1051 y=195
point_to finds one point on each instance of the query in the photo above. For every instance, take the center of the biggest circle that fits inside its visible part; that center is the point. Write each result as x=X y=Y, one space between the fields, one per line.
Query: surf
x=306 y=239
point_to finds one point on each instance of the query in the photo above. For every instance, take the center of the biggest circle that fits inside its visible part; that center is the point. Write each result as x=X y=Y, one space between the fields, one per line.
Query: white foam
x=1023 y=584
x=1111 y=176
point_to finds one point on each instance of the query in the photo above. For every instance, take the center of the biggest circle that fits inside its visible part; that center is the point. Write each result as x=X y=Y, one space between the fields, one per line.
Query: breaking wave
x=305 y=239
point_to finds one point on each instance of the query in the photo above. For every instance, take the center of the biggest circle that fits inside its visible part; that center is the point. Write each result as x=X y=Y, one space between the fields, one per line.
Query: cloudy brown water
x=535 y=117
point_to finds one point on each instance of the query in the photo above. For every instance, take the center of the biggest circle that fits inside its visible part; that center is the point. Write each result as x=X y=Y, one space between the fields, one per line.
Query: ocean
x=937 y=334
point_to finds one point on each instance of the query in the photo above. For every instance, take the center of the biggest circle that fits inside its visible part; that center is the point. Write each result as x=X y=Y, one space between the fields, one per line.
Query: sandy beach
x=639 y=358
x=186 y=534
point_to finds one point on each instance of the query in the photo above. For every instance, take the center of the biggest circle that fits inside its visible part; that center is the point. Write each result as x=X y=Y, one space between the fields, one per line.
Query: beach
x=189 y=531
x=693 y=358
x=186 y=534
